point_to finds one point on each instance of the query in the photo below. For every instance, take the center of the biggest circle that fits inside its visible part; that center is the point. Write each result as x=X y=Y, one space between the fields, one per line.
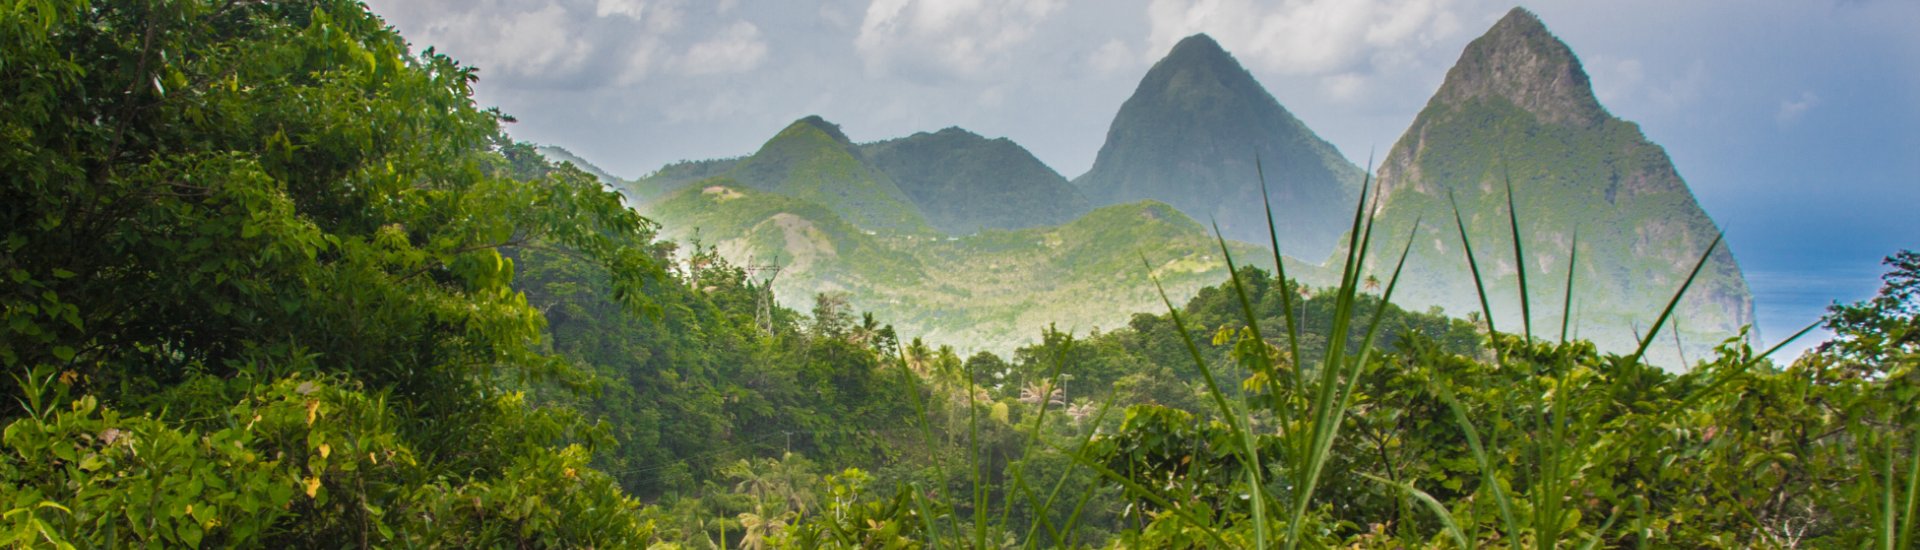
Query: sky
x=1794 y=121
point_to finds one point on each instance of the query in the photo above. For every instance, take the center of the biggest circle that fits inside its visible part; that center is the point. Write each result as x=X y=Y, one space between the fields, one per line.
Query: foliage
x=252 y=243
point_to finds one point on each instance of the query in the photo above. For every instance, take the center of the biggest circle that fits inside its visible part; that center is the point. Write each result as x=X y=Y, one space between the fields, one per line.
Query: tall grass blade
x=1594 y=541
x=1263 y=362
x=1888 y=521
x=1249 y=451
x=1520 y=262
x=1327 y=406
x=1912 y=514
x=1060 y=484
x=1445 y=391
x=1479 y=284
x=1447 y=523
x=1033 y=434
x=973 y=465
x=1573 y=264
x=926 y=429
x=926 y=517
x=1280 y=269
x=1675 y=303
x=1136 y=489
x=1343 y=400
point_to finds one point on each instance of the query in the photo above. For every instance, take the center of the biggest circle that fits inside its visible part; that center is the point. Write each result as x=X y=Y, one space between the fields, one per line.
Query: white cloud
x=1306 y=37
x=641 y=55
x=1113 y=57
x=657 y=16
x=1615 y=80
x=940 y=39
x=737 y=48
x=1682 y=91
x=533 y=43
x=1792 y=109
x=632 y=9
x=1344 y=86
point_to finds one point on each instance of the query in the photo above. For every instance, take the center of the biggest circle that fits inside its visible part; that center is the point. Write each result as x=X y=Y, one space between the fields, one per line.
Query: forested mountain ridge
x=1190 y=136
x=1517 y=108
x=813 y=160
x=966 y=183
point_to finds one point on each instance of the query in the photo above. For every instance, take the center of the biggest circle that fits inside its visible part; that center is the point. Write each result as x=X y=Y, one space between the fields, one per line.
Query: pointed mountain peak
x=1519 y=20
x=1190 y=135
x=956 y=132
x=814 y=122
x=1520 y=61
x=1198 y=46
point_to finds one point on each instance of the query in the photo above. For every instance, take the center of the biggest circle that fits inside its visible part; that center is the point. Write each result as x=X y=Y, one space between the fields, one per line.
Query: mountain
x=994 y=290
x=812 y=160
x=560 y=154
x=965 y=183
x=673 y=177
x=1189 y=136
x=1518 y=108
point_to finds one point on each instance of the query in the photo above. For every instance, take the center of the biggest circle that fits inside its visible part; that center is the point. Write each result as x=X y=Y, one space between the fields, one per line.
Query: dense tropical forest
x=274 y=280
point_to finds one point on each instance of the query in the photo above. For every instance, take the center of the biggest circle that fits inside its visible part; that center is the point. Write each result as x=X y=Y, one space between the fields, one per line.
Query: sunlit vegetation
x=272 y=280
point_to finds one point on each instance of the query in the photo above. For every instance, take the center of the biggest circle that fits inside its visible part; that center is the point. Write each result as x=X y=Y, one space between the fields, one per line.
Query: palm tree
x=757 y=529
x=753 y=482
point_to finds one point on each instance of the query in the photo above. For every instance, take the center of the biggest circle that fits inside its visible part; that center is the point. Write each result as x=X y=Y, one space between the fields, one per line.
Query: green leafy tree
x=216 y=213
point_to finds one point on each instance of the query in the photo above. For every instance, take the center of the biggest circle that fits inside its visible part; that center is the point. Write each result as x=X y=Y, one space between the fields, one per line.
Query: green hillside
x=678 y=175
x=1189 y=137
x=965 y=183
x=992 y=291
x=812 y=160
x=1518 y=107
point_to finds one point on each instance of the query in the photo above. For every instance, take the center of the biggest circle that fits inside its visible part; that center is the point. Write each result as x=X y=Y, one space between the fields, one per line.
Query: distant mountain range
x=973 y=241
x=994 y=290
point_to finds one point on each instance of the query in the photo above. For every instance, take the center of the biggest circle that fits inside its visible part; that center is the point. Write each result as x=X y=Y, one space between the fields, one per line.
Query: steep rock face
x=812 y=160
x=1189 y=136
x=1517 y=108
x=966 y=183
x=1521 y=62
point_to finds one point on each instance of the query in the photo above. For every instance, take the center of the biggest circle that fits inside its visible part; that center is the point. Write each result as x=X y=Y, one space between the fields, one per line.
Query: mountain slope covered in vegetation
x=1517 y=109
x=1190 y=136
x=812 y=160
x=992 y=290
x=966 y=183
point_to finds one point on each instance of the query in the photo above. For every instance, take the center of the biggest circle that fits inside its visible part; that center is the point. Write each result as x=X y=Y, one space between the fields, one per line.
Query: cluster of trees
x=272 y=279
x=1452 y=439
x=258 y=290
